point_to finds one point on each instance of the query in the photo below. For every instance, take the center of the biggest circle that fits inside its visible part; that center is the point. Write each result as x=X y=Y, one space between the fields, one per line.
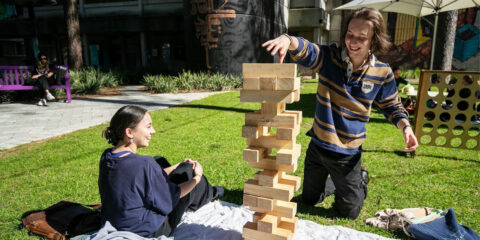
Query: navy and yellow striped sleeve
x=308 y=54
x=389 y=101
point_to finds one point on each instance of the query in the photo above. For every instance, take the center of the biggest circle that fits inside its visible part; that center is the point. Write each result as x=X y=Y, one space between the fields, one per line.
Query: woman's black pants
x=199 y=196
x=42 y=83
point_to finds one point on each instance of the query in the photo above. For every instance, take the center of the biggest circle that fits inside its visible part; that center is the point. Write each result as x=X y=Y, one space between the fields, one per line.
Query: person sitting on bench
x=143 y=194
x=42 y=75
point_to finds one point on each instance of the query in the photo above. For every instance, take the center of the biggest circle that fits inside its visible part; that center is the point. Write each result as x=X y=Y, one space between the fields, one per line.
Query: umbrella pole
x=432 y=55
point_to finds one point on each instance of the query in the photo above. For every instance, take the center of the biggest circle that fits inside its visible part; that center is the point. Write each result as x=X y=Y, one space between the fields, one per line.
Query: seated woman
x=137 y=193
x=42 y=74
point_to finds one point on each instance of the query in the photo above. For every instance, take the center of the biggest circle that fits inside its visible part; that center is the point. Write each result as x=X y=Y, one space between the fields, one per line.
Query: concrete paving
x=22 y=123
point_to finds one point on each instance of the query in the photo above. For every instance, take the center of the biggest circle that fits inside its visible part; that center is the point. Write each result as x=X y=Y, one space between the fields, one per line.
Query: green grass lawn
x=37 y=175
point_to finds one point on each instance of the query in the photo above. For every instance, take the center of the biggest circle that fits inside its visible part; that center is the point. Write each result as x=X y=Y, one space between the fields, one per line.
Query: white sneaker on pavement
x=44 y=102
x=50 y=97
x=40 y=103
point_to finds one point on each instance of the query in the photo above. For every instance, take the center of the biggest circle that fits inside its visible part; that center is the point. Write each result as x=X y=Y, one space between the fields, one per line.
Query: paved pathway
x=25 y=122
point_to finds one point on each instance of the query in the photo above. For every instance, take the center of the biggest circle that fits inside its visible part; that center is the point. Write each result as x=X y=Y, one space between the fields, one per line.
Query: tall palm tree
x=75 y=58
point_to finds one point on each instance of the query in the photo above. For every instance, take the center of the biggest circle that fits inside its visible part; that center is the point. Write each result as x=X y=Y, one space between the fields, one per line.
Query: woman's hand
x=198 y=169
x=188 y=160
x=410 y=139
x=280 y=44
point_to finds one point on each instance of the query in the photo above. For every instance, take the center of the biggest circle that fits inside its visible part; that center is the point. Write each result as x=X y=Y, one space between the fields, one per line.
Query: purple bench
x=13 y=78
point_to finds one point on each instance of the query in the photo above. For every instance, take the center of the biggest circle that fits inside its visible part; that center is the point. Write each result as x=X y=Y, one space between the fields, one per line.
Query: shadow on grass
x=240 y=110
x=127 y=102
x=408 y=155
x=313 y=210
x=233 y=196
x=397 y=152
x=306 y=104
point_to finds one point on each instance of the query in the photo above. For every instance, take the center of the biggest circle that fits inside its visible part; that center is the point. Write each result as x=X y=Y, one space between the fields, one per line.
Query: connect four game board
x=447 y=113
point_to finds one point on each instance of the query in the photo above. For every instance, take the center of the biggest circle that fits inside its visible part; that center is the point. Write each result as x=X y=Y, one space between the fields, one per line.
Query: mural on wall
x=227 y=33
x=412 y=38
x=209 y=28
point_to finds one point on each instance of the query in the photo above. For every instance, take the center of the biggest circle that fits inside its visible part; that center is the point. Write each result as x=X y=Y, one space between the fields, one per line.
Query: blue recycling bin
x=467 y=41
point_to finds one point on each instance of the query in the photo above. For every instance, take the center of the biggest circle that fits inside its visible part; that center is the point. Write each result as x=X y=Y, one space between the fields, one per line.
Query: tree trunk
x=75 y=59
x=447 y=25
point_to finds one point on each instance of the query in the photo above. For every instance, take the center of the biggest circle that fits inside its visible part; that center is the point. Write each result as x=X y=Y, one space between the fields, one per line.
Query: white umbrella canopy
x=416 y=8
x=412 y=7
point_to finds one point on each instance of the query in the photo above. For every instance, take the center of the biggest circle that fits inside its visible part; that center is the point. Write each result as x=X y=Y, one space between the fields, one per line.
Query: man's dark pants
x=345 y=180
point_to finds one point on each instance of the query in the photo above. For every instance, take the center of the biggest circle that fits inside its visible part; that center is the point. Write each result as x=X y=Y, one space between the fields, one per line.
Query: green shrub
x=89 y=80
x=411 y=73
x=159 y=83
x=188 y=81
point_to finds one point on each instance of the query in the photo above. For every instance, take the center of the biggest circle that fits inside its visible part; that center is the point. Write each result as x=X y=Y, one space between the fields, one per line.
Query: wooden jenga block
x=287 y=120
x=268 y=83
x=270 y=142
x=294 y=181
x=296 y=95
x=267 y=223
x=288 y=83
x=261 y=203
x=256 y=216
x=284 y=209
x=249 y=200
x=271 y=206
x=254 y=70
x=280 y=191
x=249 y=131
x=251 y=83
x=250 y=231
x=270 y=163
x=254 y=131
x=288 y=133
x=297 y=113
x=288 y=156
x=272 y=109
x=264 y=96
x=271 y=83
x=253 y=154
x=268 y=178
x=288 y=223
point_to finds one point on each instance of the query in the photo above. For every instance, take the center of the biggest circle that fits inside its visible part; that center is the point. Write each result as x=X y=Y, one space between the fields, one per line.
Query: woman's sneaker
x=42 y=102
x=50 y=97
x=218 y=192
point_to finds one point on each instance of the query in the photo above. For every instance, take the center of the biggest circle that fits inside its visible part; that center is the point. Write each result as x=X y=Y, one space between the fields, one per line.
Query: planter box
x=467 y=41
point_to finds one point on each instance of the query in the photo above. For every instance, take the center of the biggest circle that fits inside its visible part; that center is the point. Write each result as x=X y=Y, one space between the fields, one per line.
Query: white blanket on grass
x=223 y=220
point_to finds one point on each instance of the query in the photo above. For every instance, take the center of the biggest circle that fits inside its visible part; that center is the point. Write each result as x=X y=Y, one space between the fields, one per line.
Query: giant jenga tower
x=267 y=129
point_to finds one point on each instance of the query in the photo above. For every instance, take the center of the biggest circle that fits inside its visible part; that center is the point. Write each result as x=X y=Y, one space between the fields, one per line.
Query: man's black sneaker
x=218 y=192
x=364 y=173
x=365 y=180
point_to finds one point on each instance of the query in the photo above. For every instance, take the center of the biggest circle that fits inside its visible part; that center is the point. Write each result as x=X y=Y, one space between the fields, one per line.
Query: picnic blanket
x=223 y=220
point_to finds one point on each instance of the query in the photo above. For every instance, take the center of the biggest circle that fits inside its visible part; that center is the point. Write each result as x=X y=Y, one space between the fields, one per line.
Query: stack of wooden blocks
x=270 y=192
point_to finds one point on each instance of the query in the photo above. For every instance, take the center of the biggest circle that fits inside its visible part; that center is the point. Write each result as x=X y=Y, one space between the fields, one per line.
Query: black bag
x=67 y=218
x=60 y=74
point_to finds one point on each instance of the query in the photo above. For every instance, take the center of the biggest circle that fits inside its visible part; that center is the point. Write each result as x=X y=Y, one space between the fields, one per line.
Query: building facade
x=171 y=35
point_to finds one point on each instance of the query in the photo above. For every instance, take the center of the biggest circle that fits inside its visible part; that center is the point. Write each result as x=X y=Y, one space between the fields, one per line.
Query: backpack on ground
x=63 y=220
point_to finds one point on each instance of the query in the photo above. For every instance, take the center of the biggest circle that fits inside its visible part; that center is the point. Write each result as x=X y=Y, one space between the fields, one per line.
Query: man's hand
x=410 y=139
x=280 y=45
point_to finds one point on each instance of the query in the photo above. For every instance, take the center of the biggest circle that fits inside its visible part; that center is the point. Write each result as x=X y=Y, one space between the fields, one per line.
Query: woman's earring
x=131 y=140
x=369 y=52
